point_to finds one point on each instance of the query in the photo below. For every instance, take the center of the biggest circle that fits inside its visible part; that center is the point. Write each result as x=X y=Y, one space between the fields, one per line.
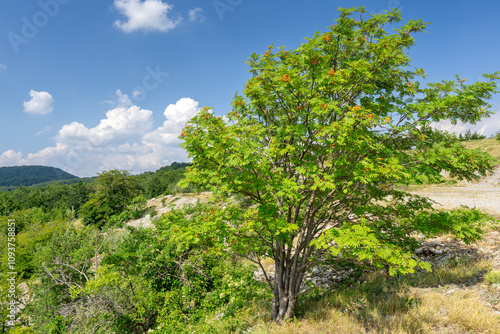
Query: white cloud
x=195 y=15
x=148 y=15
x=124 y=139
x=488 y=126
x=41 y=103
x=445 y=125
x=120 y=125
x=123 y=99
x=182 y=111
x=3 y=67
x=11 y=158
x=46 y=129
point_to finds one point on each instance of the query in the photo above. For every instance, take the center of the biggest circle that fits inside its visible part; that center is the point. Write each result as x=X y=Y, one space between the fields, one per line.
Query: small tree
x=114 y=190
x=316 y=143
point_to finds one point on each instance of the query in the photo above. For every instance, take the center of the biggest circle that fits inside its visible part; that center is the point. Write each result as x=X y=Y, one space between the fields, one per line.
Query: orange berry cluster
x=285 y=78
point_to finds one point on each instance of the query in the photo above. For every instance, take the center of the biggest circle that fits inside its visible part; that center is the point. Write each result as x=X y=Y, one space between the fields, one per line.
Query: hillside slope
x=490 y=145
x=30 y=175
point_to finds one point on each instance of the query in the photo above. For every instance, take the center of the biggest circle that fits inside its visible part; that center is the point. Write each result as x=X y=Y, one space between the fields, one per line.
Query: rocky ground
x=164 y=204
x=484 y=194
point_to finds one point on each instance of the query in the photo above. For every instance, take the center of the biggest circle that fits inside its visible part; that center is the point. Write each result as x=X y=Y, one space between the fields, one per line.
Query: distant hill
x=175 y=166
x=30 y=175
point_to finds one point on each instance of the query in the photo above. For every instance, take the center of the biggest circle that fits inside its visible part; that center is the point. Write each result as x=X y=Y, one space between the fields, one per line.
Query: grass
x=423 y=303
x=490 y=145
x=446 y=300
x=493 y=277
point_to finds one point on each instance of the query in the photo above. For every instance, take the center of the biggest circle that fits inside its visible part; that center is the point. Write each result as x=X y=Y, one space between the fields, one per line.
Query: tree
x=471 y=136
x=317 y=143
x=114 y=190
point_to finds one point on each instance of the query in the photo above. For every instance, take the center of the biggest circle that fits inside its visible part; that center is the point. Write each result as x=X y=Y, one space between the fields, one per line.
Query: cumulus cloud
x=11 y=158
x=121 y=124
x=177 y=115
x=41 y=103
x=148 y=15
x=487 y=127
x=182 y=111
x=195 y=15
x=124 y=139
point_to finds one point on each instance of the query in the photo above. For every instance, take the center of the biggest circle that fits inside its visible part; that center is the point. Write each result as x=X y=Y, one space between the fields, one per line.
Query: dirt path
x=484 y=195
x=485 y=199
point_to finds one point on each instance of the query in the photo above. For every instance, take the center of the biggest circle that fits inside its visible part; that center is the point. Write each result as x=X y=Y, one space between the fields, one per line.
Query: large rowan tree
x=317 y=141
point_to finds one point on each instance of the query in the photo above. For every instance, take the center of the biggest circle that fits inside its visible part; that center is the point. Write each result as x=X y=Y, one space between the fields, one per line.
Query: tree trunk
x=285 y=291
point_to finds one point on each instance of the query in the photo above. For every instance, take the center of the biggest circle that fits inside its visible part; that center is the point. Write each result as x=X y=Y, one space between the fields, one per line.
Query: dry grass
x=268 y=264
x=490 y=145
x=447 y=300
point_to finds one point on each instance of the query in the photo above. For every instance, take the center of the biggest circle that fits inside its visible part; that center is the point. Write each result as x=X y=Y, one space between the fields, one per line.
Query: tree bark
x=286 y=288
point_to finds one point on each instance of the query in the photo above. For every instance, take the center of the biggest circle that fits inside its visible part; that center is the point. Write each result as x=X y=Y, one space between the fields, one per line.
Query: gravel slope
x=484 y=195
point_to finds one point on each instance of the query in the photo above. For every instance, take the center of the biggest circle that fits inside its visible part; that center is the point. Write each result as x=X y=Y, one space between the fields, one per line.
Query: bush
x=137 y=280
x=493 y=277
x=114 y=191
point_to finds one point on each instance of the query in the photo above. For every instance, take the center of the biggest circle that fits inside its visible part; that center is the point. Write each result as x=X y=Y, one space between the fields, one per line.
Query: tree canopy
x=317 y=142
x=30 y=175
x=114 y=190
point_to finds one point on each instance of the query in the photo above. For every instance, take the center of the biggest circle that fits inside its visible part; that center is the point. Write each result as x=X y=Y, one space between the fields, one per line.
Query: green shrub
x=493 y=277
x=139 y=280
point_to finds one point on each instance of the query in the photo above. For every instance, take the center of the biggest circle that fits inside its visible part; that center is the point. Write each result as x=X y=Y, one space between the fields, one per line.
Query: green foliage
x=58 y=198
x=53 y=197
x=64 y=262
x=498 y=136
x=464 y=223
x=493 y=277
x=192 y=277
x=316 y=142
x=164 y=180
x=114 y=190
x=29 y=175
x=27 y=241
x=470 y=136
x=134 y=210
x=131 y=281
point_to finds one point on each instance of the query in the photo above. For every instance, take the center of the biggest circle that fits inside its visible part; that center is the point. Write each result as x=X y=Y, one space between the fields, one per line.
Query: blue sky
x=95 y=85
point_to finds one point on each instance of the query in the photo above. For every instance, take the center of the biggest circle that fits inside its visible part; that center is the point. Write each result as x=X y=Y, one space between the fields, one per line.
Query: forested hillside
x=30 y=175
x=60 y=197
